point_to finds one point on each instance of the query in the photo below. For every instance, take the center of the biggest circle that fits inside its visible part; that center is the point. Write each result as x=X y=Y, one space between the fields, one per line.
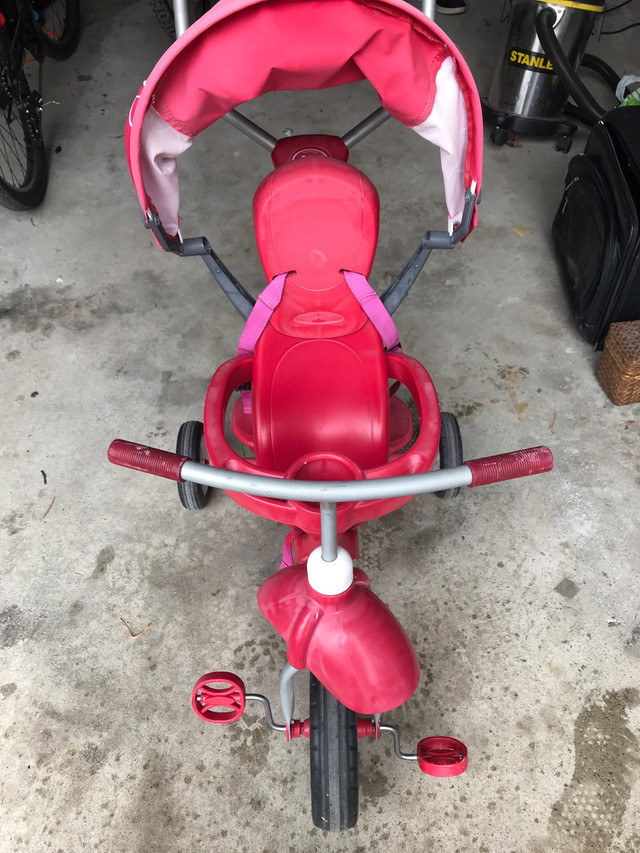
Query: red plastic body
x=321 y=410
x=292 y=148
x=314 y=217
x=320 y=375
x=351 y=642
x=419 y=457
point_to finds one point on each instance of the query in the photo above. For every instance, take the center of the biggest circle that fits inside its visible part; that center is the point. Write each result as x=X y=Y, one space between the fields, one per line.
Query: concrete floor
x=521 y=598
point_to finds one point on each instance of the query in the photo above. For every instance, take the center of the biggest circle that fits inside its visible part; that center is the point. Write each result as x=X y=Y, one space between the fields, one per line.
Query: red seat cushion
x=320 y=396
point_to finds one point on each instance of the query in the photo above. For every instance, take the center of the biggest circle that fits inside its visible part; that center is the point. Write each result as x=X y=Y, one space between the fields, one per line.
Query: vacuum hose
x=545 y=20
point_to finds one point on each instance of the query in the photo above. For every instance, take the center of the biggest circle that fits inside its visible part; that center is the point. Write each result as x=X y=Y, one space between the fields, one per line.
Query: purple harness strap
x=271 y=296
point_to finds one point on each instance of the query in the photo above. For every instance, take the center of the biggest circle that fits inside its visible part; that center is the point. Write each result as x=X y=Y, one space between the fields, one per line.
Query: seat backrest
x=313 y=217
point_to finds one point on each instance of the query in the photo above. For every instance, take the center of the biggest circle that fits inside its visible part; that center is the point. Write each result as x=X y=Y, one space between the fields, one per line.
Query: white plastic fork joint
x=330 y=578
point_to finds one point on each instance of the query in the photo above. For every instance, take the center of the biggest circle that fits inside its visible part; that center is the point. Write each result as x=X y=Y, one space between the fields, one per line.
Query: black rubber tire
x=333 y=749
x=163 y=10
x=59 y=26
x=24 y=171
x=192 y=495
x=450 y=448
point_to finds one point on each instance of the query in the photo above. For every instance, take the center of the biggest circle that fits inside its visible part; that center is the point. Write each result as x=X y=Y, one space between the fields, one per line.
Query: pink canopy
x=244 y=48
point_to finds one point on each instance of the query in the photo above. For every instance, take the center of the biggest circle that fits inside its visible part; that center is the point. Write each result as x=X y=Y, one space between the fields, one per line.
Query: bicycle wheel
x=23 y=162
x=59 y=22
x=333 y=749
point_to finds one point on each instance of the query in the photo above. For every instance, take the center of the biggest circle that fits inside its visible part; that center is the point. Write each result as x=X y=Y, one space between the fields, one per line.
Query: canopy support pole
x=429 y=8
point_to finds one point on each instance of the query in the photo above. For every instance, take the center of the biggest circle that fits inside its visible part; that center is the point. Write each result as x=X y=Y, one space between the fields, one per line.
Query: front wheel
x=23 y=162
x=334 y=760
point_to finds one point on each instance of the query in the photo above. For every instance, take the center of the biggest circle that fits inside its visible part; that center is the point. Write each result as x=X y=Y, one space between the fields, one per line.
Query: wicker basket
x=618 y=370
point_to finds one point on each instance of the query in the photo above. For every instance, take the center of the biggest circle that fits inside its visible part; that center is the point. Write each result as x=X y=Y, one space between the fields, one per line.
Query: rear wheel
x=23 y=161
x=190 y=443
x=450 y=449
x=334 y=760
x=59 y=22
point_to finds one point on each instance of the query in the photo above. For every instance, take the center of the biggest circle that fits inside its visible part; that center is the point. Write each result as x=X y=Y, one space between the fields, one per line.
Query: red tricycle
x=321 y=422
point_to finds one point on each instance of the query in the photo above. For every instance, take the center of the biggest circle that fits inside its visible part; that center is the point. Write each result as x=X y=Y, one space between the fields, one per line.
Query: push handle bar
x=444 y=240
x=477 y=472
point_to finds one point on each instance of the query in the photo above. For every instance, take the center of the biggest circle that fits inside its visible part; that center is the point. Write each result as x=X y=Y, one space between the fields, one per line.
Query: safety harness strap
x=271 y=297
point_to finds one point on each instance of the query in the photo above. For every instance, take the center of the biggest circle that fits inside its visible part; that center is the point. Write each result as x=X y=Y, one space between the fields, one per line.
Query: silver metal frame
x=180 y=16
x=429 y=8
x=329 y=491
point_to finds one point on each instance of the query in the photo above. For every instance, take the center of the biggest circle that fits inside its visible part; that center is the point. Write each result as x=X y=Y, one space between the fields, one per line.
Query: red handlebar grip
x=147 y=459
x=509 y=466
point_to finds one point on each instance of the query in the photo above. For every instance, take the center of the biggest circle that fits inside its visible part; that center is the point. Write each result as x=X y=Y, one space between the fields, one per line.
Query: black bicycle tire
x=192 y=495
x=333 y=752
x=63 y=45
x=33 y=185
x=450 y=448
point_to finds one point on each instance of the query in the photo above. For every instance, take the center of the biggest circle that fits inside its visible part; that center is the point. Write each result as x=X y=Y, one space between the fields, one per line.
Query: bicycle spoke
x=13 y=156
x=52 y=17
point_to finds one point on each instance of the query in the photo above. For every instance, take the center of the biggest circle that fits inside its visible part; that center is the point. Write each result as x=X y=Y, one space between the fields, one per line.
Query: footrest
x=219 y=697
x=442 y=756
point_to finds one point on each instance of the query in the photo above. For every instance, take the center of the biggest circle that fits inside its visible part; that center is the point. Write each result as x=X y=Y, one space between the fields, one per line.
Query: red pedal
x=219 y=697
x=442 y=756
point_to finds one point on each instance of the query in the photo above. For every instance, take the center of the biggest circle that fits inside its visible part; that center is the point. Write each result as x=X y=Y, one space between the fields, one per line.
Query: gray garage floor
x=521 y=598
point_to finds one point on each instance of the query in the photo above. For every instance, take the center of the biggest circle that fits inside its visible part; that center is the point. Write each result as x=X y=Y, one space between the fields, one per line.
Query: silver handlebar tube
x=329 y=491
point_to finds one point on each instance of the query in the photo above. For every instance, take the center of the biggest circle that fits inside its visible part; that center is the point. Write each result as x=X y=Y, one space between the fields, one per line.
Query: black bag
x=596 y=229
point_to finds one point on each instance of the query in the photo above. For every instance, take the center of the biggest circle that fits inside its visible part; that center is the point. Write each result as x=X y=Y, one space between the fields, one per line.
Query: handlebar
x=476 y=472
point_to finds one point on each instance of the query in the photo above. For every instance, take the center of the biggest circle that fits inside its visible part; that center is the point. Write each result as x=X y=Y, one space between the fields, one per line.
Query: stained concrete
x=521 y=598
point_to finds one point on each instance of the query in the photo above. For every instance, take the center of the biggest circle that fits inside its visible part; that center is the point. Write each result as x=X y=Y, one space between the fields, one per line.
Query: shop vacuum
x=527 y=93
x=596 y=230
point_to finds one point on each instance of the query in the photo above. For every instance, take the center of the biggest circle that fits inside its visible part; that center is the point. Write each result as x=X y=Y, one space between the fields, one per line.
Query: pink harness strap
x=374 y=308
x=271 y=296
x=287 y=547
x=261 y=313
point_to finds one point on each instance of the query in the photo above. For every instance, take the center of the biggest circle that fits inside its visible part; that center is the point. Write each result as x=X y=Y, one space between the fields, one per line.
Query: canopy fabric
x=242 y=49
